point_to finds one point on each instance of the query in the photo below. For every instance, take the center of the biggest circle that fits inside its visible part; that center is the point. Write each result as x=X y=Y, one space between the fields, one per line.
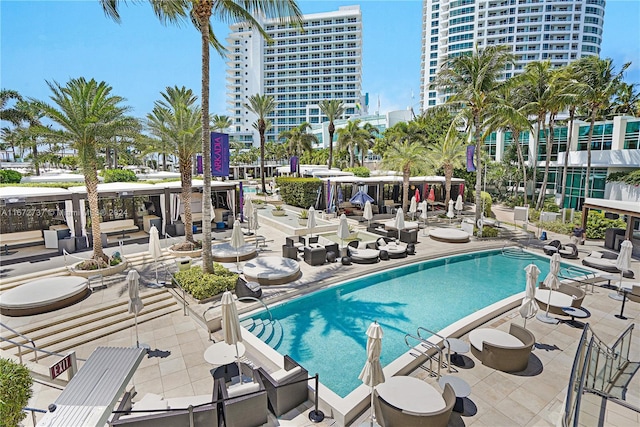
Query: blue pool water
x=325 y=331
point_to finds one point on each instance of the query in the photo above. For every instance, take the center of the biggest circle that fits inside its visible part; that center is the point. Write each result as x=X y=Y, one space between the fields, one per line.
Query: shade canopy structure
x=630 y=209
x=372 y=374
x=552 y=282
x=368 y=212
x=360 y=198
x=311 y=220
x=343 y=229
x=529 y=307
x=237 y=241
x=135 y=302
x=231 y=324
x=154 y=248
x=399 y=222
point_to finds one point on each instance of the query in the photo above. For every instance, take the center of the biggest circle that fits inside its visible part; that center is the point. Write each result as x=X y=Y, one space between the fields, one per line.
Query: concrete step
x=43 y=328
x=88 y=328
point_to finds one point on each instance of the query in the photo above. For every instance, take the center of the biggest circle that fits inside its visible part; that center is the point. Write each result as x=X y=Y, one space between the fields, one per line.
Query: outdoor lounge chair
x=388 y=415
x=395 y=250
x=409 y=235
x=507 y=359
x=552 y=247
x=315 y=256
x=605 y=261
x=285 y=390
x=245 y=404
x=289 y=252
x=574 y=292
x=569 y=251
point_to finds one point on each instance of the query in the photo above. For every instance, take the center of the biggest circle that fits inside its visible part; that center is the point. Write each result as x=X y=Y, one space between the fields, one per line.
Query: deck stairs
x=269 y=331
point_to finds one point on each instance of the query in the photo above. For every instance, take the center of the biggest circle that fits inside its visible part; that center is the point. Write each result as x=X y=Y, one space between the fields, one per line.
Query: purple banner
x=293 y=164
x=471 y=150
x=219 y=154
x=241 y=193
x=199 y=164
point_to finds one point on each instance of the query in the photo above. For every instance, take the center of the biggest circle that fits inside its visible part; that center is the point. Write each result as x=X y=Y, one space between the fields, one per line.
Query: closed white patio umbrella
x=529 y=307
x=237 y=241
x=413 y=207
x=399 y=220
x=372 y=373
x=343 y=229
x=424 y=215
x=551 y=282
x=459 y=205
x=623 y=263
x=311 y=220
x=248 y=213
x=450 y=213
x=368 y=212
x=231 y=325
x=154 y=248
x=135 y=302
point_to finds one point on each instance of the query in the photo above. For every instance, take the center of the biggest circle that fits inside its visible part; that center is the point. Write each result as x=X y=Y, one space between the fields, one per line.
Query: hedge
x=119 y=175
x=202 y=285
x=300 y=192
x=360 y=171
x=8 y=176
x=15 y=392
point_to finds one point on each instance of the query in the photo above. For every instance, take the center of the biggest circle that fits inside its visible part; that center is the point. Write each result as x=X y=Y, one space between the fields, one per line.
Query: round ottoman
x=331 y=256
x=411 y=249
x=346 y=260
x=384 y=255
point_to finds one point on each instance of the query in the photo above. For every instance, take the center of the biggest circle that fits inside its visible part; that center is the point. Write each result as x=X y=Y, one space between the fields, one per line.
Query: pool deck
x=178 y=367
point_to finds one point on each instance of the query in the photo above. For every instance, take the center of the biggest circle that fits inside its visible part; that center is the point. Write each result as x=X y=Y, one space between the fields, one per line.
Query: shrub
x=486 y=201
x=559 y=227
x=119 y=175
x=8 y=176
x=15 y=392
x=360 y=171
x=300 y=192
x=631 y=178
x=202 y=285
x=550 y=205
x=597 y=224
x=512 y=201
x=487 y=231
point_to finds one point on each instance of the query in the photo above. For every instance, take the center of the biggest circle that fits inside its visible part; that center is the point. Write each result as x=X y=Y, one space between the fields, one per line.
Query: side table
x=456 y=346
x=580 y=313
x=460 y=387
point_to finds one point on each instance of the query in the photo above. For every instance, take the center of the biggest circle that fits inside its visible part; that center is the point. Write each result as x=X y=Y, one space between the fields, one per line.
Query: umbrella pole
x=373 y=413
x=239 y=364
x=238 y=261
x=136 y=324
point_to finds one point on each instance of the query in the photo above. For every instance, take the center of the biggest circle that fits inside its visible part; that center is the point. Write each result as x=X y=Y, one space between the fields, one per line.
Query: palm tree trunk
x=406 y=174
x=331 y=130
x=352 y=159
x=107 y=158
x=516 y=140
x=535 y=162
x=565 y=166
x=203 y=12
x=545 y=179
x=478 y=198
x=91 y=182
x=448 y=173
x=185 y=180
x=115 y=158
x=36 y=163
x=589 y=138
x=262 y=141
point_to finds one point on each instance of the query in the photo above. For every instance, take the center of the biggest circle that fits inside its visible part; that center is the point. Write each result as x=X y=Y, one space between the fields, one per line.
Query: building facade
x=560 y=31
x=300 y=68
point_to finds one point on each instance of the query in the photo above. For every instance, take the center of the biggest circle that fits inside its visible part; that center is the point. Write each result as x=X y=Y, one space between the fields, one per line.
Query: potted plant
x=303 y=216
x=353 y=234
x=107 y=266
x=278 y=211
x=190 y=249
x=258 y=203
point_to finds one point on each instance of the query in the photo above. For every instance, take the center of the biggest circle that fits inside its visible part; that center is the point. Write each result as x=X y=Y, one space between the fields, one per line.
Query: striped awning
x=94 y=390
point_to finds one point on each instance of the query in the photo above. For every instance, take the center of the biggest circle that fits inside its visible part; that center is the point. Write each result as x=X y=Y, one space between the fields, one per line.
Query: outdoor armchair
x=388 y=415
x=508 y=359
x=289 y=252
x=285 y=390
x=244 y=404
x=574 y=292
x=315 y=256
x=552 y=247
x=569 y=251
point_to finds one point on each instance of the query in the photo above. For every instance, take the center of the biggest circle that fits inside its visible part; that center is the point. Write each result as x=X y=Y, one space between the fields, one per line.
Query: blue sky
x=58 y=40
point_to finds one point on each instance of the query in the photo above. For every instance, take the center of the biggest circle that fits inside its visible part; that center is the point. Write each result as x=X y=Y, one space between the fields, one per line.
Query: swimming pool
x=325 y=331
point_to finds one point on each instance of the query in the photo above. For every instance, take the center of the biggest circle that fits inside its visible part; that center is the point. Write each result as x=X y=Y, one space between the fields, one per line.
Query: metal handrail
x=19 y=346
x=185 y=303
x=33 y=413
x=444 y=339
x=428 y=346
x=35 y=349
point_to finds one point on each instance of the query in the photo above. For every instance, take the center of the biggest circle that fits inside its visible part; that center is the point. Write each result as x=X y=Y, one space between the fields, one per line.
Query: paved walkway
x=176 y=367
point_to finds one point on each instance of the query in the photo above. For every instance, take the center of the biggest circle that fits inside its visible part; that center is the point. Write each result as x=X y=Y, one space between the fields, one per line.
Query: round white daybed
x=364 y=256
x=224 y=252
x=449 y=235
x=44 y=295
x=271 y=270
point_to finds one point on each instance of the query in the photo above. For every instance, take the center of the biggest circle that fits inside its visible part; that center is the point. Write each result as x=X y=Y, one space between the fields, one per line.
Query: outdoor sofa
x=244 y=404
x=507 y=359
x=285 y=387
x=388 y=415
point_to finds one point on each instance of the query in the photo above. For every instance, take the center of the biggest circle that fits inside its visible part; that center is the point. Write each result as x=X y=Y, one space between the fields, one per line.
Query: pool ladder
x=510 y=251
x=432 y=352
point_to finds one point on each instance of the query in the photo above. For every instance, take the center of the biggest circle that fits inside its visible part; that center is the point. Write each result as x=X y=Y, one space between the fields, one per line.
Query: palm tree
x=33 y=116
x=12 y=115
x=473 y=81
x=367 y=143
x=89 y=116
x=598 y=82
x=199 y=13
x=627 y=100
x=220 y=122
x=298 y=140
x=262 y=106
x=407 y=157
x=175 y=120
x=352 y=136
x=333 y=109
x=448 y=153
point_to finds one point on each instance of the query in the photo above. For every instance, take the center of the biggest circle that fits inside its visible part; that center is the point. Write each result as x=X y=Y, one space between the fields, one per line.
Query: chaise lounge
x=605 y=261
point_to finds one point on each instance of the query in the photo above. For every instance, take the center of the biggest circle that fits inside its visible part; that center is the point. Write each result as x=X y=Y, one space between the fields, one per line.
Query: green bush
x=360 y=171
x=559 y=227
x=8 y=176
x=550 y=206
x=486 y=201
x=514 y=201
x=631 y=178
x=15 y=392
x=202 y=285
x=119 y=175
x=597 y=224
x=487 y=232
x=300 y=192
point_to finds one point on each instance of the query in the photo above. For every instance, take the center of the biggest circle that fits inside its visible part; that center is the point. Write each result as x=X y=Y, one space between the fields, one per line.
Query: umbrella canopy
x=343 y=228
x=623 y=263
x=231 y=324
x=372 y=373
x=413 y=207
x=135 y=303
x=154 y=247
x=459 y=205
x=248 y=213
x=551 y=281
x=254 y=221
x=360 y=198
x=423 y=209
x=417 y=195
x=400 y=219
x=450 y=213
x=340 y=196
x=237 y=240
x=529 y=307
x=368 y=212
x=311 y=219
x=432 y=195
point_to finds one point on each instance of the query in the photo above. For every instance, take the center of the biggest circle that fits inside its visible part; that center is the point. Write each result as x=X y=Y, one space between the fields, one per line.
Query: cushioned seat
x=605 y=261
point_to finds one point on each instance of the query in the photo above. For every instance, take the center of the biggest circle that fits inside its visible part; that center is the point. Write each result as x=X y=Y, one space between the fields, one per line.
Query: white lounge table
x=411 y=394
x=493 y=336
x=558 y=299
x=42 y=295
x=222 y=353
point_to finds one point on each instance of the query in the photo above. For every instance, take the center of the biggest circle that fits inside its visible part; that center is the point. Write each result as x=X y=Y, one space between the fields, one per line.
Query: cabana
x=630 y=209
